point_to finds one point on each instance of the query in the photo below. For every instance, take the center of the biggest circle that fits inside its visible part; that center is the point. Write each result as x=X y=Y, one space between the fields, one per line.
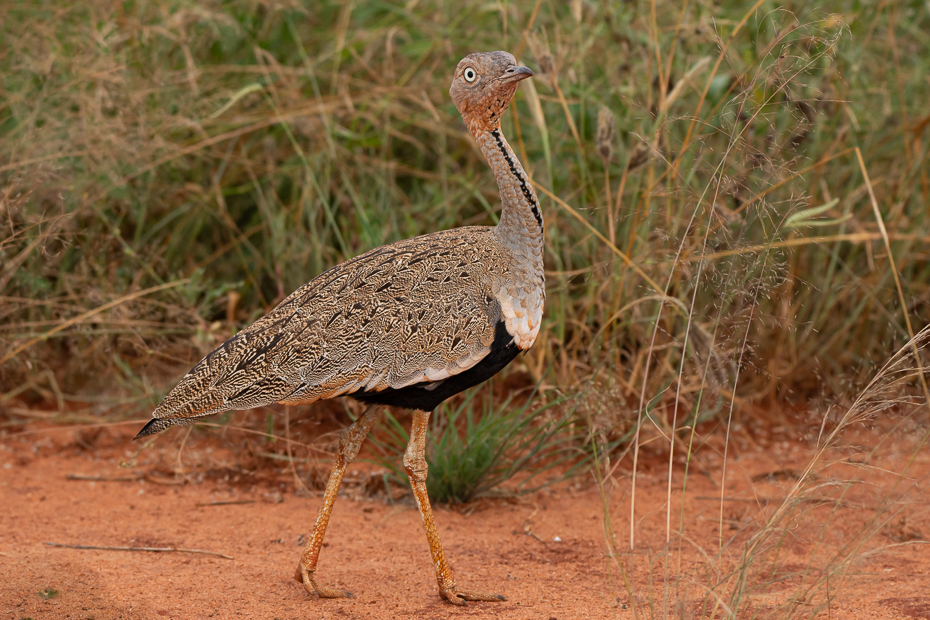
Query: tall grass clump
x=476 y=447
x=899 y=386
x=796 y=555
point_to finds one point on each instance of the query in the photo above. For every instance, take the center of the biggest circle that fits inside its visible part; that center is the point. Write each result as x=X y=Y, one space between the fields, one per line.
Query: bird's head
x=483 y=86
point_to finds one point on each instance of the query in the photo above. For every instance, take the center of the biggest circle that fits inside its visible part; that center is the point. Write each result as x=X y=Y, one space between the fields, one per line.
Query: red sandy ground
x=378 y=551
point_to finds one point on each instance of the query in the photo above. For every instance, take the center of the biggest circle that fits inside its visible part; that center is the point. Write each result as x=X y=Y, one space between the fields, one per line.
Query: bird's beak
x=515 y=74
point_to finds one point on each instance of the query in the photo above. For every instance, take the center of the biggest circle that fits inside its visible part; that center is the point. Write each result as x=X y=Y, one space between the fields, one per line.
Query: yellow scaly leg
x=416 y=468
x=349 y=445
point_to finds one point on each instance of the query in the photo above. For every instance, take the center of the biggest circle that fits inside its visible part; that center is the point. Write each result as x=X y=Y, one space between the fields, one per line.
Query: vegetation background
x=736 y=195
x=171 y=170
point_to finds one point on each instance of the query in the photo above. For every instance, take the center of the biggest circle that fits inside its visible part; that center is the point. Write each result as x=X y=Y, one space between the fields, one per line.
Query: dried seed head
x=605 y=133
x=639 y=156
x=546 y=63
x=544 y=57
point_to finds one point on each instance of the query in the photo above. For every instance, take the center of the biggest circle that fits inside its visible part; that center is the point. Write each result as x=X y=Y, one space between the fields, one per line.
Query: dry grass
x=237 y=151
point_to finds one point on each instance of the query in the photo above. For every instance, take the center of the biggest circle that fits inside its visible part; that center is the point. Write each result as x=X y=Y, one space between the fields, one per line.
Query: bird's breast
x=521 y=311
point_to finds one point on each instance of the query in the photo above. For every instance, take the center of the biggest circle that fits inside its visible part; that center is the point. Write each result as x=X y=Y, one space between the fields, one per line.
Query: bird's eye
x=469 y=74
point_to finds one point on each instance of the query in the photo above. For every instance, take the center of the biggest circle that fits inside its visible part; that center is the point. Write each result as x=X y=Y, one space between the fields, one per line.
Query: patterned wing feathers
x=417 y=311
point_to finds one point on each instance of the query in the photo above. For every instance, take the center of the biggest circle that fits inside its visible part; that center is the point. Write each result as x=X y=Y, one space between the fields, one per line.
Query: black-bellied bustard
x=408 y=324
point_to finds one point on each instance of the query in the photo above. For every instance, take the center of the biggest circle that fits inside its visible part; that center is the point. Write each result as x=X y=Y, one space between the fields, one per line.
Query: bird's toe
x=481 y=596
x=459 y=597
x=333 y=593
x=305 y=577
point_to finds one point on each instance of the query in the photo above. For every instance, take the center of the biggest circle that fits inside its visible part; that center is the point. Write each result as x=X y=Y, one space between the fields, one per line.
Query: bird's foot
x=458 y=597
x=305 y=576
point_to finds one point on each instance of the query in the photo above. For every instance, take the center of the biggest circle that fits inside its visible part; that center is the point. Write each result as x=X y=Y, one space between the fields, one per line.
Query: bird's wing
x=416 y=311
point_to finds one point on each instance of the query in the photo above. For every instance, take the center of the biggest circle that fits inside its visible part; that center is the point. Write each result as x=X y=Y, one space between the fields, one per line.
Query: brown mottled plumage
x=397 y=315
x=407 y=324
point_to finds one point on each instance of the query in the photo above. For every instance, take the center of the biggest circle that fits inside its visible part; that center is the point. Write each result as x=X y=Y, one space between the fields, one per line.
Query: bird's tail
x=155 y=425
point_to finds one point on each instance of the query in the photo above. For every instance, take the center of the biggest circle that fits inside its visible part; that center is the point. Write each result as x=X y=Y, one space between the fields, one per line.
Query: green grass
x=477 y=447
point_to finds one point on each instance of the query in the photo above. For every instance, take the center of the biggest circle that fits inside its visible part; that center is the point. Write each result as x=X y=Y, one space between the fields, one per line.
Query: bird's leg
x=349 y=445
x=416 y=468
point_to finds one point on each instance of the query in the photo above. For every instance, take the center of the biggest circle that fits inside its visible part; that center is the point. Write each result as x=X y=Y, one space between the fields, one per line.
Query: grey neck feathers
x=521 y=219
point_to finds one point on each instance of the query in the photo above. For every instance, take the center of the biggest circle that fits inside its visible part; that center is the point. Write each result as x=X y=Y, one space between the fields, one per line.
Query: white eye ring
x=470 y=74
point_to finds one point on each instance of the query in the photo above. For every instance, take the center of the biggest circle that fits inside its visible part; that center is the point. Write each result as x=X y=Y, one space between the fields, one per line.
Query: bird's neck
x=521 y=222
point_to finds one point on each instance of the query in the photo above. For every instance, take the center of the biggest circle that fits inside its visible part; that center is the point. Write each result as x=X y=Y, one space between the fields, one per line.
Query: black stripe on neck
x=523 y=186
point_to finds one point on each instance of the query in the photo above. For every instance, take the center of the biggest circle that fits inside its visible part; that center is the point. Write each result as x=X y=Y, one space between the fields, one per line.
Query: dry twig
x=150 y=549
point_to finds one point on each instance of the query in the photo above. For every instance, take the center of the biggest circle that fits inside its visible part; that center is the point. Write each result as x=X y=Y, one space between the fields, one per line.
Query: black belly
x=503 y=350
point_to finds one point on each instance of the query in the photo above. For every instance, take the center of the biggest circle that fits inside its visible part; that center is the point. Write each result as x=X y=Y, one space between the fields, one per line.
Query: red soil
x=545 y=552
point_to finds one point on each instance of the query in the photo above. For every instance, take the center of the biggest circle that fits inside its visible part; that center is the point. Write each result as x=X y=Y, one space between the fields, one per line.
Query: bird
x=408 y=324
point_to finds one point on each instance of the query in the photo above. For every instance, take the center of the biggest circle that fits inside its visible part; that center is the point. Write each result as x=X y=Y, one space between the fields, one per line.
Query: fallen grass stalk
x=232 y=502
x=147 y=549
x=95 y=478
